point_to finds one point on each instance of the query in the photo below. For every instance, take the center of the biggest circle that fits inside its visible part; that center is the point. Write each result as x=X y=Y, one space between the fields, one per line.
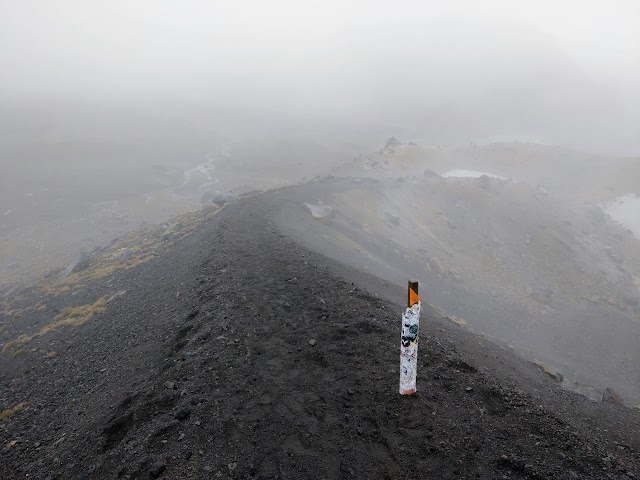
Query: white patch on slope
x=470 y=174
x=626 y=211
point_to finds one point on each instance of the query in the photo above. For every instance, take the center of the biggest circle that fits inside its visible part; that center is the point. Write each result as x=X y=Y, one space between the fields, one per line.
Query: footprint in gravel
x=116 y=431
x=126 y=403
x=232 y=433
x=161 y=433
x=294 y=457
x=369 y=327
x=317 y=357
x=181 y=340
x=184 y=331
x=461 y=365
x=119 y=424
x=494 y=402
x=343 y=331
x=274 y=362
x=269 y=467
x=161 y=404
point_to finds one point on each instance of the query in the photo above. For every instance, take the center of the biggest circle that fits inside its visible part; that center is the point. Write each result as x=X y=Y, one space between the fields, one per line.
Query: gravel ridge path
x=275 y=362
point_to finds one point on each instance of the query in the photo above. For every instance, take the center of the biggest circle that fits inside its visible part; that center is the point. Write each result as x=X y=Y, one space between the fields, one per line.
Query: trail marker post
x=409 y=341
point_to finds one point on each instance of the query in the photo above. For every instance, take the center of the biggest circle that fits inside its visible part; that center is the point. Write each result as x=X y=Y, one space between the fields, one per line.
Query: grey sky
x=554 y=71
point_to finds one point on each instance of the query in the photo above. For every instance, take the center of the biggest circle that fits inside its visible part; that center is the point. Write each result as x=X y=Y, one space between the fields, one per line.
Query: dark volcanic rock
x=183 y=413
x=156 y=469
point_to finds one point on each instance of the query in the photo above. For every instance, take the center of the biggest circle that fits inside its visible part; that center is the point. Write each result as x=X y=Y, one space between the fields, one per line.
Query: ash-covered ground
x=222 y=348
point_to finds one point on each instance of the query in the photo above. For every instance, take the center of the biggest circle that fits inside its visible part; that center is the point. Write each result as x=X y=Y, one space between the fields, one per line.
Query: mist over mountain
x=447 y=74
x=209 y=212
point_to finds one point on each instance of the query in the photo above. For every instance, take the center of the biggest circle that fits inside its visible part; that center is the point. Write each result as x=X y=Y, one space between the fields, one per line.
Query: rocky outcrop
x=428 y=173
x=79 y=263
x=322 y=213
x=550 y=371
x=611 y=396
x=391 y=142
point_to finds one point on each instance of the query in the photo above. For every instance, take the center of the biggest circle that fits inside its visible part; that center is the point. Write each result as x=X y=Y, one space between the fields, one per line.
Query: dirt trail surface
x=275 y=362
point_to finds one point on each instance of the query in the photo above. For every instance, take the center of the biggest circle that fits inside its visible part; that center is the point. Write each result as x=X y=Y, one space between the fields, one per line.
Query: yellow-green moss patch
x=68 y=317
x=10 y=411
x=75 y=316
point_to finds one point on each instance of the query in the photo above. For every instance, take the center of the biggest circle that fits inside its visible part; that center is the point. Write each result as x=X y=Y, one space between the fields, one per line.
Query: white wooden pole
x=409 y=342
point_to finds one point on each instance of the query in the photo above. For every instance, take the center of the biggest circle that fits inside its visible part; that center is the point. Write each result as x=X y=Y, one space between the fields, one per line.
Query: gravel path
x=274 y=362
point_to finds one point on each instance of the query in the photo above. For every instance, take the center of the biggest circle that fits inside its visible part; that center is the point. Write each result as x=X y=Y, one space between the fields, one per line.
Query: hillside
x=225 y=349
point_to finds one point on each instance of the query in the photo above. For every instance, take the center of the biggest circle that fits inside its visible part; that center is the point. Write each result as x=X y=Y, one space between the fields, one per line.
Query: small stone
x=207 y=468
x=312 y=342
x=198 y=423
x=350 y=391
x=170 y=385
x=156 y=469
x=504 y=458
x=265 y=400
x=232 y=466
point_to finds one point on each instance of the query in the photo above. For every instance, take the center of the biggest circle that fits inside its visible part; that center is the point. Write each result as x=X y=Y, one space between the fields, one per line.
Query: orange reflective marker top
x=413 y=297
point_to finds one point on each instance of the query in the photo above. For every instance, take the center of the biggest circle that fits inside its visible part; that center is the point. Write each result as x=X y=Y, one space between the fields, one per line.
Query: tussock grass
x=144 y=245
x=16 y=342
x=75 y=316
x=10 y=411
x=68 y=317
